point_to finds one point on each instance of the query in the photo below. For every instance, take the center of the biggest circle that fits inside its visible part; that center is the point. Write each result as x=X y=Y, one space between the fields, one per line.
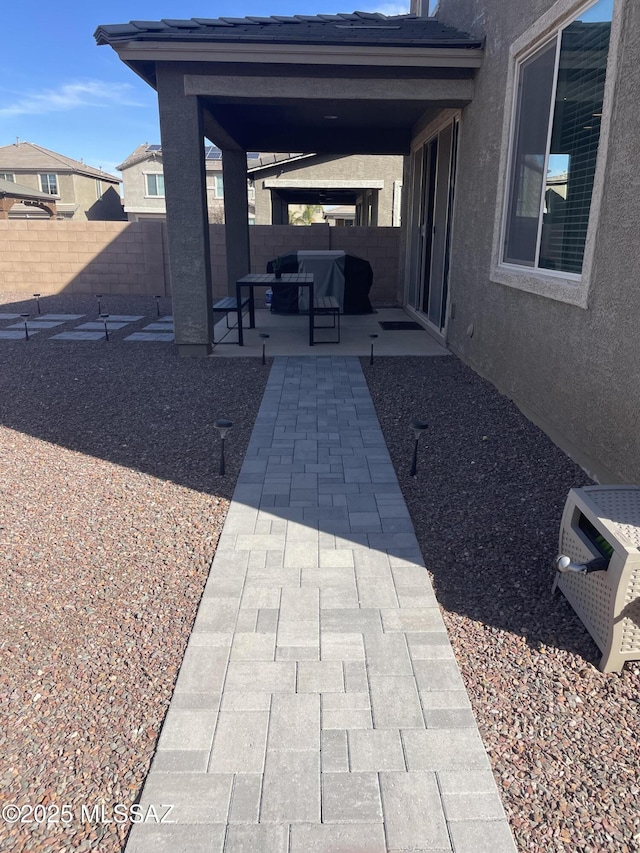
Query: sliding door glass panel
x=440 y=217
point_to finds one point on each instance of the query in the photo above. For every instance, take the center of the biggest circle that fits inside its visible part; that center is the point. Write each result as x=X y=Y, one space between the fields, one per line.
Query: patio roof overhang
x=362 y=83
x=350 y=84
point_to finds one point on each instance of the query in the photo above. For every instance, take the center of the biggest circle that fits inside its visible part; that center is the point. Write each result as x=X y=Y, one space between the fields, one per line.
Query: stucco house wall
x=573 y=370
x=138 y=205
x=333 y=171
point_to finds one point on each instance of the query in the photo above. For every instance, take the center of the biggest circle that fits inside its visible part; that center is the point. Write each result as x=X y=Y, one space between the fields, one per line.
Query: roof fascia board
x=302 y=54
x=327 y=184
x=314 y=88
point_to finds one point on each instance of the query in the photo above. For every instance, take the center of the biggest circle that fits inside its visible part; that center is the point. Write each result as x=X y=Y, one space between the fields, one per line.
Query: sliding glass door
x=432 y=204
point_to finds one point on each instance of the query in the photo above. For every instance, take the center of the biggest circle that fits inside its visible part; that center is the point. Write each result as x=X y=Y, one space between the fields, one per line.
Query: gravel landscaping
x=111 y=505
x=563 y=738
x=110 y=509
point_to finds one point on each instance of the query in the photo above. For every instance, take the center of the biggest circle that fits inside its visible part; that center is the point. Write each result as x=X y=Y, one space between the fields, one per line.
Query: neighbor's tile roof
x=355 y=28
x=29 y=157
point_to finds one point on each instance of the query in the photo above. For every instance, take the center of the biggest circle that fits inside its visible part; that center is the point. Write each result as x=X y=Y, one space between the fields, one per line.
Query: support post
x=187 y=221
x=236 y=216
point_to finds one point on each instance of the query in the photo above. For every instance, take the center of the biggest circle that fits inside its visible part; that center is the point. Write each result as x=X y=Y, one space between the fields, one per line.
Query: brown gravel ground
x=563 y=739
x=110 y=509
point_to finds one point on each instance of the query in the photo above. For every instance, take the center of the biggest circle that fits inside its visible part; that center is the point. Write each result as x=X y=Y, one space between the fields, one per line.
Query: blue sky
x=60 y=90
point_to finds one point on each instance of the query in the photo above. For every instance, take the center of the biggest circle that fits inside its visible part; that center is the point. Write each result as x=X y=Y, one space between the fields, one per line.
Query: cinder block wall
x=379 y=246
x=130 y=258
x=53 y=256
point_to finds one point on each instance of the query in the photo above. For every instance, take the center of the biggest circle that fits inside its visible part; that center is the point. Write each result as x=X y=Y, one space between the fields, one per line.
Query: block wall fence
x=130 y=258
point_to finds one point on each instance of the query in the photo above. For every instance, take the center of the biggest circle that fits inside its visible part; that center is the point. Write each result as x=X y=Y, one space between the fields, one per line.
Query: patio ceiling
x=349 y=84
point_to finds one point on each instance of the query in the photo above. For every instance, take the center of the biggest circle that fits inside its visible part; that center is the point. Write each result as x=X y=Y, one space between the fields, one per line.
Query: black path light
x=373 y=340
x=104 y=318
x=157 y=298
x=418 y=428
x=264 y=337
x=223 y=425
x=26 y=331
x=99 y=298
x=36 y=296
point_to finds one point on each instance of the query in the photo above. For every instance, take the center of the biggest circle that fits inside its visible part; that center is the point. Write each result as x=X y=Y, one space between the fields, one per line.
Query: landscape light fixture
x=223 y=426
x=418 y=428
x=264 y=337
x=99 y=298
x=26 y=331
x=104 y=318
x=373 y=340
x=36 y=296
x=157 y=298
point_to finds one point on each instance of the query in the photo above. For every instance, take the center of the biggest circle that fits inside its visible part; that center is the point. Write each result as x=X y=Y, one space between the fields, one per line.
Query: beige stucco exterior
x=139 y=205
x=374 y=179
x=568 y=355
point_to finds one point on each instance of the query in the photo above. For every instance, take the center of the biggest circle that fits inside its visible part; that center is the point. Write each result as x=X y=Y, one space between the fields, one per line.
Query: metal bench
x=226 y=306
x=327 y=306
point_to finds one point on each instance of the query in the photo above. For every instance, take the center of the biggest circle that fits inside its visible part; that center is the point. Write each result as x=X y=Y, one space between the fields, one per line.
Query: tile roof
x=27 y=156
x=355 y=28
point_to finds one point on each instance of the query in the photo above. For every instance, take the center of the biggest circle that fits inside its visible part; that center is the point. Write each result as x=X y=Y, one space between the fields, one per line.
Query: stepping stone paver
x=99 y=324
x=15 y=336
x=37 y=325
x=150 y=337
x=64 y=317
x=78 y=336
x=319 y=682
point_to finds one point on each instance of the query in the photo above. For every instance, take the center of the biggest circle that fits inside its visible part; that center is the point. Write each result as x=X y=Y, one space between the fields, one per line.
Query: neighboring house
x=521 y=205
x=81 y=192
x=143 y=184
x=371 y=184
x=342 y=215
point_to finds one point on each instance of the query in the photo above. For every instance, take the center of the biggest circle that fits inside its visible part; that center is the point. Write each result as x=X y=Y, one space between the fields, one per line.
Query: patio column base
x=194 y=350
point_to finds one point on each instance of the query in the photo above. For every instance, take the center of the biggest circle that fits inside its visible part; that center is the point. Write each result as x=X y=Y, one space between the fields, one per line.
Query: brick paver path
x=319 y=707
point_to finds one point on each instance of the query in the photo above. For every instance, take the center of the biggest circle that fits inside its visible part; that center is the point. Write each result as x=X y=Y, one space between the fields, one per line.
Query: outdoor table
x=269 y=280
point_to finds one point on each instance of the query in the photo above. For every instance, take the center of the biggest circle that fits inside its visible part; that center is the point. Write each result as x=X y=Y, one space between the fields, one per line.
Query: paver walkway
x=319 y=707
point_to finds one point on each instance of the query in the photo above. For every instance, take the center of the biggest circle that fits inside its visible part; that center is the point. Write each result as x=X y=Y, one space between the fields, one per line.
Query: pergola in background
x=362 y=83
x=12 y=193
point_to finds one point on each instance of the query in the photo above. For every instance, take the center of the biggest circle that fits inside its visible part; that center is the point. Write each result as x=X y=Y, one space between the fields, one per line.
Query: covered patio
x=362 y=83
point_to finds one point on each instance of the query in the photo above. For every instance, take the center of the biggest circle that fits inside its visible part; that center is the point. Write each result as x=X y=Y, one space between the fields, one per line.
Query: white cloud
x=395 y=7
x=88 y=93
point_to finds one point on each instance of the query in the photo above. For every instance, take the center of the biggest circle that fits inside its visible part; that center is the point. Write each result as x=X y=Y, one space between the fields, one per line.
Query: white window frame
x=48 y=175
x=147 y=194
x=8 y=176
x=564 y=287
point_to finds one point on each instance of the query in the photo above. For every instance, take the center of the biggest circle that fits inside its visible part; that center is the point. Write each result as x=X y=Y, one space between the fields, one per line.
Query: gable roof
x=29 y=157
x=363 y=28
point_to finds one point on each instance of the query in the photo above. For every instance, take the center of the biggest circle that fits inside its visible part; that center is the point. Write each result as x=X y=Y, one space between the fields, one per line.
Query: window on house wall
x=251 y=193
x=215 y=185
x=556 y=131
x=155 y=184
x=8 y=176
x=49 y=184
